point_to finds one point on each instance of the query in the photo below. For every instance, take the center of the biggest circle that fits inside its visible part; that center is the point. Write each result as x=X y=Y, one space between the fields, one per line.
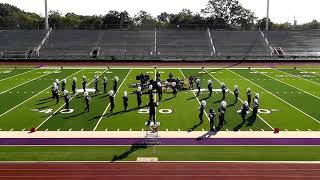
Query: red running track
x=155 y=171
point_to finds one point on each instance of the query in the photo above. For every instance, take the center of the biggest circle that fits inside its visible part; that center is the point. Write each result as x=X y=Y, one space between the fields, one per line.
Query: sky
x=280 y=10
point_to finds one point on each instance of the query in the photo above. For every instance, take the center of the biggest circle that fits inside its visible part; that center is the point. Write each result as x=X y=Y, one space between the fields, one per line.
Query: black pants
x=105 y=88
x=111 y=107
x=125 y=104
x=223 y=95
x=222 y=122
x=84 y=88
x=210 y=92
x=56 y=96
x=87 y=108
x=139 y=102
x=159 y=95
x=198 y=94
x=243 y=116
x=115 y=88
x=236 y=100
x=212 y=124
x=201 y=117
x=249 y=100
x=73 y=89
x=67 y=105
x=96 y=88
x=152 y=117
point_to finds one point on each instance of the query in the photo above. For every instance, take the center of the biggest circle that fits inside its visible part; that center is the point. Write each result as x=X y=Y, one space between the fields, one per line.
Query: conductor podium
x=152 y=133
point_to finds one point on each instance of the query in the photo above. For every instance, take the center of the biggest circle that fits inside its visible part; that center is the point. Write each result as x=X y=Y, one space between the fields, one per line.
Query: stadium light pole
x=46 y=14
x=268 y=19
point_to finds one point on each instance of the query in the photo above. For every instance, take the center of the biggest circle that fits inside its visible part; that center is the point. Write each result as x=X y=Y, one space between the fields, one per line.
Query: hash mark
x=82 y=129
x=309 y=129
x=58 y=130
x=70 y=129
x=46 y=130
x=11 y=129
x=297 y=129
x=262 y=129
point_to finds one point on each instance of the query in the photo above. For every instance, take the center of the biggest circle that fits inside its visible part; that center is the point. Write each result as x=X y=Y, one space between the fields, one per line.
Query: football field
x=289 y=99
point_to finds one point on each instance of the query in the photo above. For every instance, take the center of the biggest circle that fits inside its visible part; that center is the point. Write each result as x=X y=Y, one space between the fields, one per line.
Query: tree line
x=218 y=14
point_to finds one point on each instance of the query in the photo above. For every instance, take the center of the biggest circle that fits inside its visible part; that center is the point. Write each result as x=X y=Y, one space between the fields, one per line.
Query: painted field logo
x=67 y=111
x=161 y=111
x=5 y=72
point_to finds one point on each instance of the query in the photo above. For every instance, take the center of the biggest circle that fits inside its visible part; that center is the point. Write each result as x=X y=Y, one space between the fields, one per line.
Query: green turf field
x=164 y=153
x=290 y=100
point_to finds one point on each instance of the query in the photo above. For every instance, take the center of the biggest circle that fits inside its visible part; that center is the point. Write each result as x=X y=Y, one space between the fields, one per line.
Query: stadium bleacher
x=70 y=43
x=114 y=43
x=296 y=42
x=242 y=43
x=17 y=43
x=164 y=43
x=195 y=43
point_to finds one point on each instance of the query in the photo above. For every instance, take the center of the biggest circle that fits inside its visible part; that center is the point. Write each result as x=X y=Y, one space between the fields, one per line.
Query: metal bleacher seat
x=193 y=43
x=70 y=43
x=17 y=43
x=240 y=43
x=117 y=42
x=296 y=42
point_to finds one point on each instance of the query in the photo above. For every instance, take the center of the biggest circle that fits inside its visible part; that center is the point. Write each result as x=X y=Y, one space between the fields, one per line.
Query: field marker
x=33 y=96
x=70 y=129
x=227 y=129
x=105 y=111
x=22 y=84
x=286 y=129
x=262 y=129
x=118 y=129
x=309 y=129
x=82 y=129
x=292 y=86
x=167 y=129
x=106 y=129
x=62 y=106
x=142 y=129
x=46 y=130
x=130 y=130
x=11 y=129
x=18 y=74
x=202 y=129
x=242 y=102
x=277 y=97
x=22 y=129
x=297 y=129
x=58 y=130
x=297 y=76
x=250 y=129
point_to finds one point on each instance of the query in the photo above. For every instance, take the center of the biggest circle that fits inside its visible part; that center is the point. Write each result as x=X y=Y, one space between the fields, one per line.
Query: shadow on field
x=191 y=98
x=194 y=127
x=207 y=135
x=251 y=120
x=76 y=115
x=134 y=147
x=168 y=99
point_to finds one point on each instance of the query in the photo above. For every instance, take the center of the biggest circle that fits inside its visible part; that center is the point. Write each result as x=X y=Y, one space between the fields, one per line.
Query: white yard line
x=195 y=96
x=18 y=74
x=65 y=104
x=276 y=97
x=35 y=96
x=290 y=85
x=24 y=83
x=295 y=76
x=242 y=102
x=105 y=111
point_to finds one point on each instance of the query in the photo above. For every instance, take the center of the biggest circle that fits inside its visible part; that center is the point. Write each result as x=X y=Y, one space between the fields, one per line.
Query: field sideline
x=289 y=100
